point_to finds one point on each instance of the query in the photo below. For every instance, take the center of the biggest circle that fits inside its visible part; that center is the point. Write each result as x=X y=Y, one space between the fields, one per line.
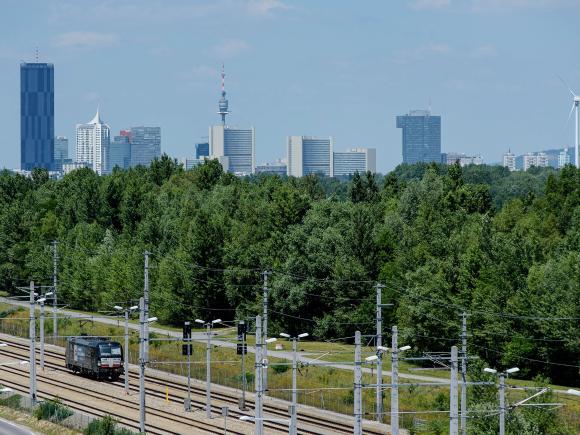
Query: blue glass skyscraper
x=145 y=145
x=421 y=136
x=201 y=150
x=36 y=116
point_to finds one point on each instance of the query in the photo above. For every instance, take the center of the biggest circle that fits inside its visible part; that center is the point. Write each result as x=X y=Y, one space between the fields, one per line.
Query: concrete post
x=259 y=423
x=357 y=384
x=32 y=333
x=502 y=404
x=453 y=410
x=464 y=374
x=265 y=333
x=379 y=388
x=142 y=338
x=208 y=372
x=42 y=336
x=293 y=416
x=126 y=355
x=394 y=383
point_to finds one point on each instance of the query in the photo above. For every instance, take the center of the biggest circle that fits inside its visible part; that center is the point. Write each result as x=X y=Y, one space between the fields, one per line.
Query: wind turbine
x=575 y=104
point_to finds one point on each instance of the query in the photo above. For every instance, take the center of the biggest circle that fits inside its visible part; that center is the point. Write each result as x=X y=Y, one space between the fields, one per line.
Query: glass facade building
x=119 y=153
x=355 y=160
x=36 y=116
x=201 y=150
x=421 y=136
x=309 y=155
x=234 y=147
x=145 y=145
x=60 y=152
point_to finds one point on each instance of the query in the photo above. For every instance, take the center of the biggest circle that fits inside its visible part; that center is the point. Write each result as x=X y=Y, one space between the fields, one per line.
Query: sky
x=324 y=68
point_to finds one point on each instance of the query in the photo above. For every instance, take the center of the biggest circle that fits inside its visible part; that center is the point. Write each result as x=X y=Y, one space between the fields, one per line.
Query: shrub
x=280 y=368
x=12 y=401
x=52 y=410
x=105 y=426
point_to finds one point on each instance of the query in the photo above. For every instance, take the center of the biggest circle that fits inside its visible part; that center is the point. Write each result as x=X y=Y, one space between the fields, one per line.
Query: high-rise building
x=539 y=160
x=60 y=152
x=509 y=160
x=145 y=145
x=201 y=150
x=421 y=136
x=189 y=164
x=36 y=116
x=278 y=168
x=93 y=144
x=354 y=160
x=238 y=145
x=309 y=155
x=463 y=159
x=564 y=158
x=119 y=153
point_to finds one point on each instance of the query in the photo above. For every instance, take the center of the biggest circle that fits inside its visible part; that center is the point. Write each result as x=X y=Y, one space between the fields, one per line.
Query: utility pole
x=357 y=384
x=187 y=340
x=265 y=331
x=146 y=303
x=502 y=404
x=126 y=356
x=293 y=417
x=242 y=329
x=42 y=334
x=453 y=411
x=208 y=372
x=32 y=333
x=379 y=388
x=394 y=383
x=142 y=332
x=54 y=292
x=464 y=373
x=259 y=425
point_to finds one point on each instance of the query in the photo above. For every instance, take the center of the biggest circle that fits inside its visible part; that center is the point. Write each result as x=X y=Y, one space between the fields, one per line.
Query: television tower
x=223 y=103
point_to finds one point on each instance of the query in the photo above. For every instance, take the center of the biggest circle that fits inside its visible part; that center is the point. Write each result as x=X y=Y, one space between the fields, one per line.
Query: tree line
x=502 y=247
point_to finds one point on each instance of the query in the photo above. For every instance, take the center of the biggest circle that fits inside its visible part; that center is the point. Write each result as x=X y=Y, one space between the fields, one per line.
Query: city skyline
x=478 y=83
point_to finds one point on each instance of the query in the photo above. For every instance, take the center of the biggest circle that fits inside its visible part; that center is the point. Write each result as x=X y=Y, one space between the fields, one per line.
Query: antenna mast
x=223 y=103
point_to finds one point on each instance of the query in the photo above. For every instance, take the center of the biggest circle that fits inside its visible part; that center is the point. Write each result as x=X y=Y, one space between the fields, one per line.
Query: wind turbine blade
x=567 y=85
x=570 y=114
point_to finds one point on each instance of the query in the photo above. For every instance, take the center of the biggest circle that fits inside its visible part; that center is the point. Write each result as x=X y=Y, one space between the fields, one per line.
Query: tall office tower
x=201 y=150
x=36 y=116
x=238 y=146
x=145 y=145
x=60 y=152
x=309 y=155
x=509 y=160
x=564 y=158
x=93 y=144
x=421 y=136
x=119 y=153
x=355 y=160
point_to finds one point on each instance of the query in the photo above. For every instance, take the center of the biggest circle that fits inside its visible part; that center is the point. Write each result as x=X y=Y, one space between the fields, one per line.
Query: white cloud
x=485 y=51
x=229 y=48
x=85 y=39
x=511 y=5
x=428 y=4
x=436 y=49
x=264 y=7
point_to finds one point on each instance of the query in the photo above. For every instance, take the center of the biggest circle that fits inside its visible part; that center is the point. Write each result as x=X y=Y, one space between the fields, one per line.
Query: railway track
x=308 y=424
x=83 y=405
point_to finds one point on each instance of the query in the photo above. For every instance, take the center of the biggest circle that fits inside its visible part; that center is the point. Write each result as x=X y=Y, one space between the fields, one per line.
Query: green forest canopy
x=504 y=247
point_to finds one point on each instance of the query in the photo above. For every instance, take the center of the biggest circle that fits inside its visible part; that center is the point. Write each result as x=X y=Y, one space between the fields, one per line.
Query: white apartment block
x=92 y=144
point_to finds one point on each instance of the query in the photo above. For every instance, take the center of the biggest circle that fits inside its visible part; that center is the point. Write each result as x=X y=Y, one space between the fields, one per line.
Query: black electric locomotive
x=96 y=357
